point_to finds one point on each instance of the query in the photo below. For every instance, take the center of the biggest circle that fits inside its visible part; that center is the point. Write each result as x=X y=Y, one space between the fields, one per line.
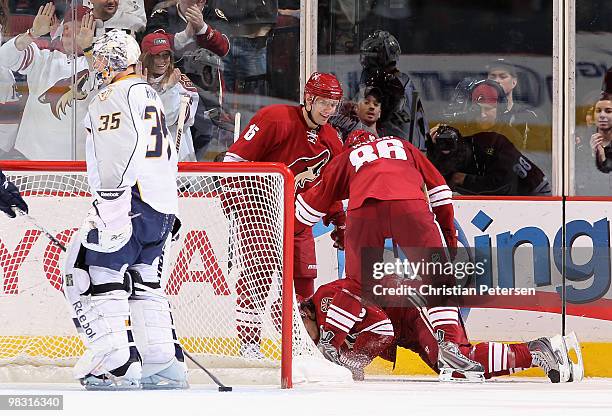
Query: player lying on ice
x=351 y=332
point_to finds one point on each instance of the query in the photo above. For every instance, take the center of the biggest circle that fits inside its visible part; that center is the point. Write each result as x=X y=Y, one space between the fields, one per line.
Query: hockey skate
x=129 y=381
x=550 y=354
x=576 y=368
x=451 y=360
x=173 y=377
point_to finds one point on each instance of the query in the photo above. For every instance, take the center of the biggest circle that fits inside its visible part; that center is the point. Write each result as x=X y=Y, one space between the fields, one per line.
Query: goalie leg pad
x=111 y=358
x=154 y=332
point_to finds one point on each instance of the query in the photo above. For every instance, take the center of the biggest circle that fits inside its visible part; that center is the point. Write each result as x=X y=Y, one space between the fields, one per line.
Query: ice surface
x=374 y=397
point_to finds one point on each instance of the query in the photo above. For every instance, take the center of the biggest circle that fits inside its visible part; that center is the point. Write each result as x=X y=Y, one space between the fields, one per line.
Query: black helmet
x=379 y=50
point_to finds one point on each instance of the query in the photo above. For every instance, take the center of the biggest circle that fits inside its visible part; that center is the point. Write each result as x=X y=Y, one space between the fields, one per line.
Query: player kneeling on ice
x=112 y=280
x=351 y=332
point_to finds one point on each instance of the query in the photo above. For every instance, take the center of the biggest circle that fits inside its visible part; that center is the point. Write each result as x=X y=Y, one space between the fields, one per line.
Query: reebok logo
x=109 y=195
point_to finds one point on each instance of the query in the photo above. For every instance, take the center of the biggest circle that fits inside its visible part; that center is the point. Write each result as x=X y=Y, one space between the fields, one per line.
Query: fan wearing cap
x=485 y=100
x=50 y=83
x=158 y=69
x=514 y=114
x=301 y=138
x=488 y=103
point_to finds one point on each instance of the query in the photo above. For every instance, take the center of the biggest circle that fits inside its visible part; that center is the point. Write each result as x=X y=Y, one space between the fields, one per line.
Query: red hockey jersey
x=386 y=169
x=358 y=326
x=279 y=133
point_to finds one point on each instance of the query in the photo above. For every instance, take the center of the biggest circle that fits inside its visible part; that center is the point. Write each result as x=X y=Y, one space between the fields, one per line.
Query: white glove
x=108 y=225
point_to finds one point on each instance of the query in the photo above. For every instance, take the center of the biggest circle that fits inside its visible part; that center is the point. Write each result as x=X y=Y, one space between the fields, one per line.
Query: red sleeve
x=256 y=140
x=439 y=194
x=359 y=329
x=335 y=213
x=214 y=41
x=331 y=188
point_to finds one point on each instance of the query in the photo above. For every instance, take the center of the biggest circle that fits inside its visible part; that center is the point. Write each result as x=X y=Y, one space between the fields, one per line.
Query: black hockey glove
x=10 y=197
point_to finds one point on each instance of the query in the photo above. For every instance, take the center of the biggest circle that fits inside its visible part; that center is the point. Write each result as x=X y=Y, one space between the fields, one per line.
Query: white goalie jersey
x=128 y=143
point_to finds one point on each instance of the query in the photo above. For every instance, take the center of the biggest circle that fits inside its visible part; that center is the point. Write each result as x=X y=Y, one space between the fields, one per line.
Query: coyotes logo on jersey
x=60 y=95
x=325 y=302
x=308 y=169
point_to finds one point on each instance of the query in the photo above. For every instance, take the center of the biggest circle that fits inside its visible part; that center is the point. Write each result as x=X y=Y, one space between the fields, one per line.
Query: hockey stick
x=222 y=387
x=47 y=233
x=181 y=122
x=236 y=126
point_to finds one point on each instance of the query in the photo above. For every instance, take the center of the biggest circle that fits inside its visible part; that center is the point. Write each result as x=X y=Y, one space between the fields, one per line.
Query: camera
x=447 y=138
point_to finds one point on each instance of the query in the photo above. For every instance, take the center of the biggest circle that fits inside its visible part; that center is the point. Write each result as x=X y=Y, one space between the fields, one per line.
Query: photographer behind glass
x=402 y=110
x=601 y=140
x=484 y=162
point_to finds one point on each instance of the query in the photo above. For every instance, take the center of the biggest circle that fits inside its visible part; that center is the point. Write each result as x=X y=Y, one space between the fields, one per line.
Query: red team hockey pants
x=412 y=226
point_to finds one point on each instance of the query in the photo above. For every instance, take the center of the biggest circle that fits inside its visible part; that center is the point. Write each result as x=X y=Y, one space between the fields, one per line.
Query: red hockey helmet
x=321 y=84
x=358 y=138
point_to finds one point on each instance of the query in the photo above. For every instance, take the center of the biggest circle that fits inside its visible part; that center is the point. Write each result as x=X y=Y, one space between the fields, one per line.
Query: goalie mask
x=113 y=53
x=379 y=50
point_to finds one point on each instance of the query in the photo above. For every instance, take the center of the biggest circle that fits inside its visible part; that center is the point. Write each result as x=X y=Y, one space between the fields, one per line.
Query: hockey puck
x=225 y=388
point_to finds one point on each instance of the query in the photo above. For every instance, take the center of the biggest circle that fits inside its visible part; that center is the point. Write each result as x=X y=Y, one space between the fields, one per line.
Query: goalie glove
x=108 y=225
x=10 y=197
x=325 y=346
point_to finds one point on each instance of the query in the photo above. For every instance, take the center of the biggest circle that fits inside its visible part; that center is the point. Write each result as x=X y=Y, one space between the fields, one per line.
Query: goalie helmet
x=379 y=50
x=358 y=138
x=114 y=52
x=321 y=84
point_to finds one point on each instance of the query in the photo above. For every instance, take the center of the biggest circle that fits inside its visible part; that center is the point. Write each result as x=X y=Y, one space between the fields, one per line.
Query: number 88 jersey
x=128 y=143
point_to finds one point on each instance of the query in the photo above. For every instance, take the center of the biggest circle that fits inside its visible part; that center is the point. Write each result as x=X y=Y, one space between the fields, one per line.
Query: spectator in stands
x=128 y=15
x=50 y=82
x=159 y=71
x=248 y=24
x=601 y=140
x=487 y=102
x=187 y=21
x=198 y=47
x=516 y=115
x=9 y=124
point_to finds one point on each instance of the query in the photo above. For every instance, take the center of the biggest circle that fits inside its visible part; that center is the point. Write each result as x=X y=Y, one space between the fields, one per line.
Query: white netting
x=224 y=277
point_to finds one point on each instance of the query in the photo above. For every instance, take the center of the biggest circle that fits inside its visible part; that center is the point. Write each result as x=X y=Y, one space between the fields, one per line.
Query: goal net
x=226 y=276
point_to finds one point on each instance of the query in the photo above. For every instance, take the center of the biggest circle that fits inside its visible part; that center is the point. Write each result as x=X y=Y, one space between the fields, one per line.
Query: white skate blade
x=446 y=375
x=576 y=368
x=558 y=345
